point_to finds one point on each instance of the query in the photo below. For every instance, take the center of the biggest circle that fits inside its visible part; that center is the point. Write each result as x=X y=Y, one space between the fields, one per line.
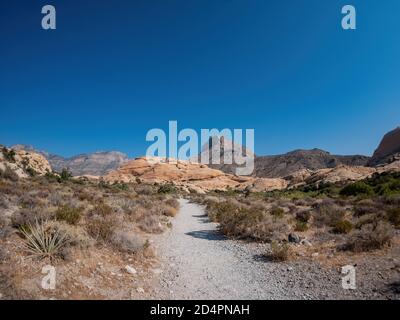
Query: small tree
x=65 y=174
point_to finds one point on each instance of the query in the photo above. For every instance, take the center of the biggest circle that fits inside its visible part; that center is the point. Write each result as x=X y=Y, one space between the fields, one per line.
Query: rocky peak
x=388 y=150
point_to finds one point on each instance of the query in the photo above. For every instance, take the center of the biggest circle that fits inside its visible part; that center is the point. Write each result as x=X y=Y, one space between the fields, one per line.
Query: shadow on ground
x=202 y=218
x=207 y=235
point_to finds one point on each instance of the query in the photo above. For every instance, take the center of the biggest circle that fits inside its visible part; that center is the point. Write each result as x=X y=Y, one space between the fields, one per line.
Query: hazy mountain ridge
x=97 y=163
x=270 y=166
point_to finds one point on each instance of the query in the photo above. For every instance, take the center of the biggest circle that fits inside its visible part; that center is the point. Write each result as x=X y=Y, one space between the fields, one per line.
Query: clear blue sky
x=115 y=69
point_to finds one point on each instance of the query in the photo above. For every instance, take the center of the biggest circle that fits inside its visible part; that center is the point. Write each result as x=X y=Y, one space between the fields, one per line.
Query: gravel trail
x=198 y=262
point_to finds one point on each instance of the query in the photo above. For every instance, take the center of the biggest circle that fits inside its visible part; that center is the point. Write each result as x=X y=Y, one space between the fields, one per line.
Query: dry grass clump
x=69 y=214
x=77 y=236
x=342 y=226
x=301 y=226
x=170 y=211
x=279 y=252
x=150 y=223
x=370 y=237
x=172 y=202
x=101 y=228
x=101 y=209
x=327 y=213
x=127 y=241
x=277 y=212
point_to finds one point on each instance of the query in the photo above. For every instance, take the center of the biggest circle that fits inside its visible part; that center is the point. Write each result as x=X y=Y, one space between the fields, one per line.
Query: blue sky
x=115 y=69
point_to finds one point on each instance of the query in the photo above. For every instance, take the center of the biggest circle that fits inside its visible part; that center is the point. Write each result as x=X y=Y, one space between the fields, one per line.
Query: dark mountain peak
x=388 y=149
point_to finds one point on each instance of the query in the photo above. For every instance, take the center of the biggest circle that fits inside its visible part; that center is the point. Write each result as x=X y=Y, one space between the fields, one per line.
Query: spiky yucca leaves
x=41 y=241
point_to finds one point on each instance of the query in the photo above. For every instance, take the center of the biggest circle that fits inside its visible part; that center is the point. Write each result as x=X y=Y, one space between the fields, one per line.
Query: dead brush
x=279 y=252
x=40 y=242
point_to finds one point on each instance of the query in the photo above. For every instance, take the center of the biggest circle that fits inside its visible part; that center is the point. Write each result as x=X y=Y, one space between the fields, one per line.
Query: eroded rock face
x=188 y=175
x=24 y=161
x=340 y=174
x=388 y=150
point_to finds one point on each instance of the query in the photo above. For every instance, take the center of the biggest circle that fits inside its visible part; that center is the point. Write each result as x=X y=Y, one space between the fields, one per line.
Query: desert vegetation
x=59 y=220
x=353 y=217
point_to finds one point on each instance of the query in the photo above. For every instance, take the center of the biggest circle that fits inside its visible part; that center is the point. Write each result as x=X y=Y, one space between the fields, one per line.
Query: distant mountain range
x=97 y=163
x=101 y=163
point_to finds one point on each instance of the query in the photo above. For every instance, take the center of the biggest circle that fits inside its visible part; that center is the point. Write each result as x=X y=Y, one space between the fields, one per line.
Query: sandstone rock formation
x=188 y=175
x=388 y=150
x=23 y=162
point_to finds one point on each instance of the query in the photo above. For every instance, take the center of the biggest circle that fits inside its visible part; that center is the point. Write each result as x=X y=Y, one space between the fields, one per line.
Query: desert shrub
x=29 y=201
x=300 y=202
x=100 y=227
x=144 y=189
x=9 y=154
x=65 y=175
x=248 y=223
x=393 y=216
x=356 y=189
x=167 y=188
x=127 y=242
x=301 y=226
x=303 y=216
x=84 y=195
x=279 y=252
x=172 y=203
x=76 y=236
x=31 y=172
x=170 y=211
x=277 y=212
x=217 y=210
x=150 y=223
x=101 y=209
x=366 y=206
x=120 y=186
x=24 y=217
x=342 y=226
x=41 y=241
x=370 y=237
x=56 y=198
x=327 y=213
x=366 y=219
x=69 y=214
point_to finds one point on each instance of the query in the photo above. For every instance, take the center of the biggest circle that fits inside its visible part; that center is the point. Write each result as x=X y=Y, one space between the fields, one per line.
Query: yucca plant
x=42 y=242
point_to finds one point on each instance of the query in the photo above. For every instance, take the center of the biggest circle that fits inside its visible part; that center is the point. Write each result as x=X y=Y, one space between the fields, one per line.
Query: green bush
x=167 y=188
x=65 y=175
x=69 y=214
x=101 y=209
x=393 y=216
x=9 y=155
x=277 y=212
x=31 y=172
x=303 y=216
x=301 y=226
x=357 y=188
x=279 y=252
x=343 y=226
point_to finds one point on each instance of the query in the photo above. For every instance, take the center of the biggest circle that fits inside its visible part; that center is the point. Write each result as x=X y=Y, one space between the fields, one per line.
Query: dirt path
x=199 y=263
